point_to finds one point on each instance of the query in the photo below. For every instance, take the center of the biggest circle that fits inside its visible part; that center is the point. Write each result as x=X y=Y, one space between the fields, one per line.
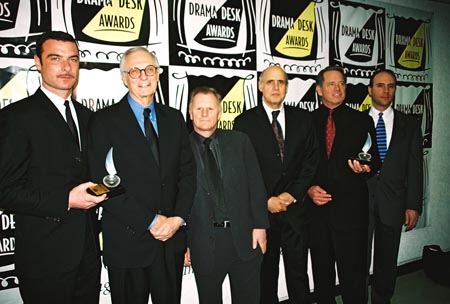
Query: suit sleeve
x=309 y=163
x=18 y=194
x=187 y=175
x=258 y=195
x=414 y=194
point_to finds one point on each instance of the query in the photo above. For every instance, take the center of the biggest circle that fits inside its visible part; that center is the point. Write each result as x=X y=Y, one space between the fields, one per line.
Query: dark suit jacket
x=166 y=189
x=245 y=200
x=295 y=173
x=399 y=185
x=40 y=163
x=350 y=204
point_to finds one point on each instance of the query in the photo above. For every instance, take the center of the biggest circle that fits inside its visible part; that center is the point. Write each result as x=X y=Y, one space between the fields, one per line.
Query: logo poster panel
x=293 y=35
x=357 y=37
x=213 y=33
x=237 y=88
x=408 y=43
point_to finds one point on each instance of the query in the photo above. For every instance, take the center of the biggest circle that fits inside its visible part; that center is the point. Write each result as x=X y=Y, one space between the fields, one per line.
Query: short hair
x=261 y=76
x=390 y=72
x=320 y=78
x=205 y=90
x=53 y=35
x=136 y=49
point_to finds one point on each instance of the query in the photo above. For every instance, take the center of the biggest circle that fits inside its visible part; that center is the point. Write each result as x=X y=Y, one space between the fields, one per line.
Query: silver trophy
x=111 y=182
x=364 y=157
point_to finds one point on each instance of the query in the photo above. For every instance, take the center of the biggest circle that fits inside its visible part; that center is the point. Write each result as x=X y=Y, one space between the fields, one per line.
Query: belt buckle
x=226 y=224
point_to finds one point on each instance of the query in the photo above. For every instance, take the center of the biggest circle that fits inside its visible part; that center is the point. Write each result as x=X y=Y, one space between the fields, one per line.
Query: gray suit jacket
x=399 y=185
x=245 y=199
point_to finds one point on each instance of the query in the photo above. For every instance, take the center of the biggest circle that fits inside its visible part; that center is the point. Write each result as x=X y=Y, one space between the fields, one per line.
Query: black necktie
x=150 y=135
x=71 y=122
x=278 y=132
x=214 y=182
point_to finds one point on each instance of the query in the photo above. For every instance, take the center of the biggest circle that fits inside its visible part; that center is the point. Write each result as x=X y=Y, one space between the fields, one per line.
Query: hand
x=275 y=205
x=187 y=257
x=287 y=198
x=80 y=199
x=318 y=195
x=411 y=218
x=357 y=167
x=165 y=227
x=259 y=238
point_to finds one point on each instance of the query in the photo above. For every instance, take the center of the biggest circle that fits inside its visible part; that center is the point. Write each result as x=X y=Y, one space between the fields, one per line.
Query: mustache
x=66 y=75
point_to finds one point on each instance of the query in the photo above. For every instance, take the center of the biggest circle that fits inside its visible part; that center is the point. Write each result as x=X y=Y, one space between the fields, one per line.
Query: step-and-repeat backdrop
x=224 y=44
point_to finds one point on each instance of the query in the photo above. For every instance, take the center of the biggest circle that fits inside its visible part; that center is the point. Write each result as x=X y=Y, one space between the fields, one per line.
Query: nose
x=204 y=112
x=142 y=74
x=66 y=65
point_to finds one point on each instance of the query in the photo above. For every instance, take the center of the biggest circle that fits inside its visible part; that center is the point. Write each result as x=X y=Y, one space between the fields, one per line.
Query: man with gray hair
x=143 y=229
x=285 y=142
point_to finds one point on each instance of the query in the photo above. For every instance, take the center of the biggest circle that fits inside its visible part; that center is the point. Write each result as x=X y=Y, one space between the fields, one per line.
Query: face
x=59 y=66
x=382 y=91
x=143 y=88
x=273 y=85
x=332 y=89
x=205 y=112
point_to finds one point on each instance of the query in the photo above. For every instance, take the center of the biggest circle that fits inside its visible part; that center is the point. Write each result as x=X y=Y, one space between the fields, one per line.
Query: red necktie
x=330 y=132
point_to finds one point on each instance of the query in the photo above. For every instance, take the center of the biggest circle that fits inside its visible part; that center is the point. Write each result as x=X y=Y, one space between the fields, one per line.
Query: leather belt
x=224 y=224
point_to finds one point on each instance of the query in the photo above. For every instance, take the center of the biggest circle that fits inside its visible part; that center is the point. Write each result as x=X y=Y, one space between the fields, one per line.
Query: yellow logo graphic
x=15 y=88
x=232 y=105
x=413 y=53
x=117 y=21
x=366 y=104
x=298 y=40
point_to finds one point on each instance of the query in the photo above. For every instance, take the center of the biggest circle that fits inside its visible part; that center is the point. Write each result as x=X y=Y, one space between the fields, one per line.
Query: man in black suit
x=228 y=219
x=143 y=229
x=43 y=180
x=396 y=192
x=338 y=231
x=287 y=155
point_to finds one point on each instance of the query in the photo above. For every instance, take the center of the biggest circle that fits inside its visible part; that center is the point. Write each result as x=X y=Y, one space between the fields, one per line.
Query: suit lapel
x=132 y=132
x=54 y=117
x=82 y=123
x=398 y=133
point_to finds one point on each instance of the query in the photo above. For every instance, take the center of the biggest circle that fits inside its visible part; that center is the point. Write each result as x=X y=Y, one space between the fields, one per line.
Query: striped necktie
x=381 y=137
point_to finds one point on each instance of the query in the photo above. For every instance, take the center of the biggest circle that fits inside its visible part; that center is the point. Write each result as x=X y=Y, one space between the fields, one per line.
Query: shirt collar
x=138 y=109
x=269 y=110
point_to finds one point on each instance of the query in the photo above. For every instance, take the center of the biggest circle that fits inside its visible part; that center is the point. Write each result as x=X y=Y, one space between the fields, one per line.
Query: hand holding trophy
x=111 y=182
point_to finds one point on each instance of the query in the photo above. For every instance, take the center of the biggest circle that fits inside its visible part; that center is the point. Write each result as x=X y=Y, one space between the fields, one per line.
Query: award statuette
x=111 y=182
x=364 y=157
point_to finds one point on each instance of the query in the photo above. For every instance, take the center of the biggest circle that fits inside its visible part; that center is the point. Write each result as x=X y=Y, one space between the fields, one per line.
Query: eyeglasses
x=135 y=72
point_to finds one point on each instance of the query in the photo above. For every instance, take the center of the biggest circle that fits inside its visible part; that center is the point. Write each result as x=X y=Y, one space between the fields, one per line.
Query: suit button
x=163 y=185
x=78 y=159
x=130 y=229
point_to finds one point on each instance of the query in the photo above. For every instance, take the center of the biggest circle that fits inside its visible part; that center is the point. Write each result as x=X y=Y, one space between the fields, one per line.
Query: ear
x=319 y=90
x=260 y=86
x=37 y=62
x=369 y=90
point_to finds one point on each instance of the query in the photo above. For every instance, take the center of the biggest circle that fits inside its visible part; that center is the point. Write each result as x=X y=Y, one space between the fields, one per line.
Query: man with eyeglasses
x=339 y=195
x=143 y=229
